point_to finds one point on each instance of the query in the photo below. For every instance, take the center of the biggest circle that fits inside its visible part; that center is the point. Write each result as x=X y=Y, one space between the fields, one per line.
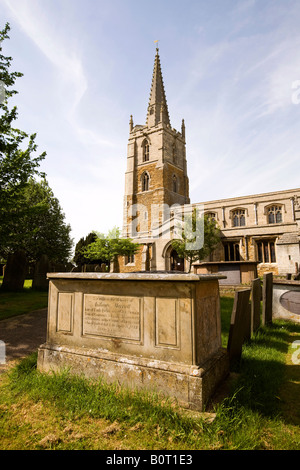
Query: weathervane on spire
x=156 y=41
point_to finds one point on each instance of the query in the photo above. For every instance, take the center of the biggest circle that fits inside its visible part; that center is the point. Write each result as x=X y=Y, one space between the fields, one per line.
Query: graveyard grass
x=18 y=303
x=260 y=411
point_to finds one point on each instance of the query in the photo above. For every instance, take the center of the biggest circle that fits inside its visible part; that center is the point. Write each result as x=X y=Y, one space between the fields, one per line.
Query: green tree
x=109 y=247
x=79 y=258
x=39 y=226
x=200 y=236
x=43 y=230
x=17 y=149
x=38 y=229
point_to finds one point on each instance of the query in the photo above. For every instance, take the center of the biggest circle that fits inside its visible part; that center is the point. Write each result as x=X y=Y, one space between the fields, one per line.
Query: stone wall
x=257 y=228
x=129 y=267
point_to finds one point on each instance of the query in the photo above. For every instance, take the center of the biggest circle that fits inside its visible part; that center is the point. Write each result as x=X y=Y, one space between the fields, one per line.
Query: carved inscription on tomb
x=113 y=316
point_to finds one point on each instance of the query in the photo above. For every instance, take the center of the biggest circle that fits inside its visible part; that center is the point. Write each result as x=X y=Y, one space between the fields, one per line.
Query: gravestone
x=267 y=299
x=255 y=304
x=42 y=267
x=89 y=268
x=247 y=335
x=75 y=269
x=239 y=325
x=15 y=271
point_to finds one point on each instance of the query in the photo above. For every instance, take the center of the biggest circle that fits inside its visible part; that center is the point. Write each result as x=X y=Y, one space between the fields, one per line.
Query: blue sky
x=231 y=70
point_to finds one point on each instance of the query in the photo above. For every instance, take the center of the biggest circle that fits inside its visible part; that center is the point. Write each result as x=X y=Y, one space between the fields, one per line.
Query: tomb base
x=190 y=386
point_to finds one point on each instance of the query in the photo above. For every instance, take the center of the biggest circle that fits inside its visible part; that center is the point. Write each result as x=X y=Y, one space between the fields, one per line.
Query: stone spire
x=157 y=107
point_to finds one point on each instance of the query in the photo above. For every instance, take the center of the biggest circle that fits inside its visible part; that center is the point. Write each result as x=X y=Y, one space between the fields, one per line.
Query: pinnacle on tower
x=130 y=124
x=157 y=107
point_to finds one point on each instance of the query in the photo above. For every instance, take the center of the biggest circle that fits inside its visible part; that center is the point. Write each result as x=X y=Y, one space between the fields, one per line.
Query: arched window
x=211 y=216
x=275 y=214
x=145 y=151
x=177 y=263
x=238 y=218
x=175 y=184
x=145 y=181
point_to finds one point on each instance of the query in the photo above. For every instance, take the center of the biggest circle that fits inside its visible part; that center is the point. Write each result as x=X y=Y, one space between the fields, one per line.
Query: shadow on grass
x=263 y=380
x=17 y=303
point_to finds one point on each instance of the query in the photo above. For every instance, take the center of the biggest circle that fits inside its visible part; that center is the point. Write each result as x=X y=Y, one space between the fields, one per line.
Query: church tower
x=156 y=176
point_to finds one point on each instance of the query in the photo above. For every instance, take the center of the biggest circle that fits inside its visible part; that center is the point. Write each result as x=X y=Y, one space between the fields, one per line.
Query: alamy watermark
x=296 y=354
x=2 y=352
x=2 y=92
x=168 y=222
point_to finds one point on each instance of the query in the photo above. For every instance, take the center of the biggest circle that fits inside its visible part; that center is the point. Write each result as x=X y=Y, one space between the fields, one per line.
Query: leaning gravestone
x=15 y=271
x=255 y=304
x=267 y=299
x=239 y=325
x=42 y=267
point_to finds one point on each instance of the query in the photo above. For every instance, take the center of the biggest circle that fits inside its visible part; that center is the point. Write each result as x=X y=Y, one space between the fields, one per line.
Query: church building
x=259 y=233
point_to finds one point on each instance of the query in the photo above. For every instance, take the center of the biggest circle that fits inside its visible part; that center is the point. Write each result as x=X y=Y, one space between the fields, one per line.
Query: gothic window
x=145 y=181
x=266 y=251
x=145 y=151
x=275 y=214
x=211 y=216
x=175 y=183
x=232 y=251
x=238 y=218
x=177 y=263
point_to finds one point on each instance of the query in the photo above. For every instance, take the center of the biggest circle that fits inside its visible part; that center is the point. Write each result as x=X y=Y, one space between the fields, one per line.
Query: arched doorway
x=177 y=263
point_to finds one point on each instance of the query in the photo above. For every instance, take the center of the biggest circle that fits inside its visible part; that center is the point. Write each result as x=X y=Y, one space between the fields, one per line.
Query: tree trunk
x=15 y=271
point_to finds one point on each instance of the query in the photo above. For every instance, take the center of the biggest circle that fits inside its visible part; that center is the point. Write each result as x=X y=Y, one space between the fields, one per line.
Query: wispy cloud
x=64 y=57
x=63 y=53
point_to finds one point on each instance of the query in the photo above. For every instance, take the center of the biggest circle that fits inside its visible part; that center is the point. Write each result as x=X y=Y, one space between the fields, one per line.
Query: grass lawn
x=60 y=411
x=17 y=303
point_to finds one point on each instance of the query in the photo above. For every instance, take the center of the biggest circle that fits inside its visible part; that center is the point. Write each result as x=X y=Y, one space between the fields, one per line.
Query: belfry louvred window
x=175 y=185
x=146 y=151
x=145 y=182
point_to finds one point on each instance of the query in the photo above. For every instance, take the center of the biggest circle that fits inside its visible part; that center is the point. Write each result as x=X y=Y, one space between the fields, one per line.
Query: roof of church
x=157 y=102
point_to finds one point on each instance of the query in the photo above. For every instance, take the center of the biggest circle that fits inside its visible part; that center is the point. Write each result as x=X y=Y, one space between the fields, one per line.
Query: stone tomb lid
x=151 y=276
x=286 y=282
